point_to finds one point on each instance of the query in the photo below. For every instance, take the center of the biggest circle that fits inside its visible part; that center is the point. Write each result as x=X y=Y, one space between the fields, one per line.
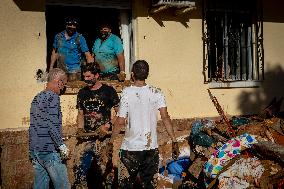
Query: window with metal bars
x=232 y=41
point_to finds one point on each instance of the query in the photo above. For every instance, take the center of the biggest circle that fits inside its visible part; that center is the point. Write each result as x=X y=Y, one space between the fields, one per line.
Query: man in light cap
x=68 y=47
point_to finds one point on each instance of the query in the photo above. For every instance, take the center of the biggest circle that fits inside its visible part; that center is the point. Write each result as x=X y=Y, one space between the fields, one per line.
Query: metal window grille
x=232 y=40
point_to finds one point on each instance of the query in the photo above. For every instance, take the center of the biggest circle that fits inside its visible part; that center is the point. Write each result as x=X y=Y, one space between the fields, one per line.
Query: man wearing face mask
x=47 y=150
x=94 y=103
x=68 y=47
x=108 y=52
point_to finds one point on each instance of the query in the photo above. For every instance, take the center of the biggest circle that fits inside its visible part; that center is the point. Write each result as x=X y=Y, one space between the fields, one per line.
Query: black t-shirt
x=96 y=105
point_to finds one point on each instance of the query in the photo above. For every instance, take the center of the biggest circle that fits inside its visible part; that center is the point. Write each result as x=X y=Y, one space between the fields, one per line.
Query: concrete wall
x=16 y=169
x=22 y=52
x=171 y=44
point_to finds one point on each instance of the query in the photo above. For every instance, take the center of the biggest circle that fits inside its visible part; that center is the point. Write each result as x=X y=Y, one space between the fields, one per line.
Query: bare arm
x=167 y=122
x=118 y=125
x=89 y=57
x=169 y=127
x=80 y=119
x=114 y=117
x=105 y=128
x=53 y=58
x=121 y=61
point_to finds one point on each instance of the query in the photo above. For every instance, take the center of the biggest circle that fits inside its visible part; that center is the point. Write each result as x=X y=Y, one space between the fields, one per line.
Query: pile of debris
x=240 y=152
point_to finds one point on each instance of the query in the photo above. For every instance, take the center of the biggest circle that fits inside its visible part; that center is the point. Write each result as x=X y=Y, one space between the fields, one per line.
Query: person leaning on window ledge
x=108 y=53
x=68 y=47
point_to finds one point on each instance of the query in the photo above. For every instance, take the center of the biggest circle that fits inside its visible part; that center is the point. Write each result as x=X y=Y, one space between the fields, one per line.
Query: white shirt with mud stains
x=140 y=105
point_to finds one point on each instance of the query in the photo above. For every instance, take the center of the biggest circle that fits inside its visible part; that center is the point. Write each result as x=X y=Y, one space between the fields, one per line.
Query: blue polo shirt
x=70 y=50
x=106 y=53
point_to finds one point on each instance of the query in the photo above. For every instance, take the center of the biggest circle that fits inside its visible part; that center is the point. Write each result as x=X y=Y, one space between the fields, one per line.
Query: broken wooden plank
x=270 y=150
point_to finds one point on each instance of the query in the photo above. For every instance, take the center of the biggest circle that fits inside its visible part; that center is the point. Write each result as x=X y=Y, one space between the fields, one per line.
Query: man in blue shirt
x=47 y=150
x=108 y=53
x=68 y=47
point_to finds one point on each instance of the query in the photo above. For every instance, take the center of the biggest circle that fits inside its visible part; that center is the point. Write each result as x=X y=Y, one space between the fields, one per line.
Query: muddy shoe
x=109 y=180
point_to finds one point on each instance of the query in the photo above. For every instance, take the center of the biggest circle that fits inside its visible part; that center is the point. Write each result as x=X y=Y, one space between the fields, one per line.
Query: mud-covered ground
x=268 y=130
x=182 y=128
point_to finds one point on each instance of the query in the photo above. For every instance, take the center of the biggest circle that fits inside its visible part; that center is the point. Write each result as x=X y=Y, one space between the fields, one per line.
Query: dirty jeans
x=48 y=166
x=145 y=163
x=91 y=167
x=87 y=153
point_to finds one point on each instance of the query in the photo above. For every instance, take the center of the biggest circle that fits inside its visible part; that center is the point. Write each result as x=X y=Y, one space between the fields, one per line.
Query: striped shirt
x=45 y=132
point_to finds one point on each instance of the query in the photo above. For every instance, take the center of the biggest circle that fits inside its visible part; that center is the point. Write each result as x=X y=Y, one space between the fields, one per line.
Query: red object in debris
x=281 y=184
x=222 y=113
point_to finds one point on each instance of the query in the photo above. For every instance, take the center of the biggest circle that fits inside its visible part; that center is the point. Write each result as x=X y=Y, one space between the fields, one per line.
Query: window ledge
x=234 y=84
x=73 y=88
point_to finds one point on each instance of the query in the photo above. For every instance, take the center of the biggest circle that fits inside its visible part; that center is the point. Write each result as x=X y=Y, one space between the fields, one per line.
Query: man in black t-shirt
x=96 y=106
x=94 y=103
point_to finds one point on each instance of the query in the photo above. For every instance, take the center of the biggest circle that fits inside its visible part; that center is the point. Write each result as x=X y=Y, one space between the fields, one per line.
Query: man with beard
x=68 y=47
x=94 y=103
x=47 y=150
x=108 y=52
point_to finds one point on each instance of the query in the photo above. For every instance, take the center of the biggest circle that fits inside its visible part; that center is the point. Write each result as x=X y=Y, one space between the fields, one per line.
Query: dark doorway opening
x=89 y=21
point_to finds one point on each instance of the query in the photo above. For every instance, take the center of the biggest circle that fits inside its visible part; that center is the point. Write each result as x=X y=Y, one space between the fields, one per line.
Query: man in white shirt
x=139 y=105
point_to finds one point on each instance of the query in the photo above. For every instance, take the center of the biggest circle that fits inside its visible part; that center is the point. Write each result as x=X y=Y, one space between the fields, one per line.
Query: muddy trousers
x=92 y=165
x=143 y=163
